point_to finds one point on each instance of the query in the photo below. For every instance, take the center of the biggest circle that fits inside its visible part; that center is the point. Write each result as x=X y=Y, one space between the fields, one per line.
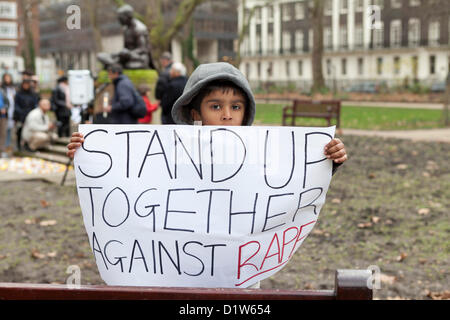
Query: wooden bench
x=324 y=109
x=56 y=152
x=349 y=285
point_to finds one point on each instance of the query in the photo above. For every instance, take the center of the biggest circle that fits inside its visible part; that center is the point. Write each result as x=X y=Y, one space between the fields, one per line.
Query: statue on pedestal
x=136 y=53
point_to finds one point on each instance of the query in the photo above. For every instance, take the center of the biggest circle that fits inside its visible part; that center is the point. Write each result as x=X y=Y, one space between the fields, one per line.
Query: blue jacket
x=123 y=101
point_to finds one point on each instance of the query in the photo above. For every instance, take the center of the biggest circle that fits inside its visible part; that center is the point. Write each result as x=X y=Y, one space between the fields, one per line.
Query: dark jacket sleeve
x=18 y=109
x=162 y=85
x=125 y=97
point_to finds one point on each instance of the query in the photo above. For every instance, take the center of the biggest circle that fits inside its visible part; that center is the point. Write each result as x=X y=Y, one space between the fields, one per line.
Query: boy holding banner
x=218 y=94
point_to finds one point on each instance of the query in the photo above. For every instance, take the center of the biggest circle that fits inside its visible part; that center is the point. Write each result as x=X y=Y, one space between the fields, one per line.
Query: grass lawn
x=369 y=118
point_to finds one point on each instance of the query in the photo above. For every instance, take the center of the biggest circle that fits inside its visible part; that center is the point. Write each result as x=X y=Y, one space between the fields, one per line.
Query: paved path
x=406 y=105
x=438 y=135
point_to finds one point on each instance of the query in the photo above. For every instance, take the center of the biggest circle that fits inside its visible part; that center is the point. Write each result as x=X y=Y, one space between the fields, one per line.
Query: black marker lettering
x=96 y=151
x=128 y=145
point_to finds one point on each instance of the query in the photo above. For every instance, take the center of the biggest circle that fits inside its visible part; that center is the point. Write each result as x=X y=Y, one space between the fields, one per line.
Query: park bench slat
x=325 y=109
x=349 y=284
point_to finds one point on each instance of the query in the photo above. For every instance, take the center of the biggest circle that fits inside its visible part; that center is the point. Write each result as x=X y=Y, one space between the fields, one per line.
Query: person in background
x=143 y=90
x=174 y=90
x=61 y=106
x=164 y=77
x=25 y=101
x=3 y=123
x=9 y=92
x=37 y=130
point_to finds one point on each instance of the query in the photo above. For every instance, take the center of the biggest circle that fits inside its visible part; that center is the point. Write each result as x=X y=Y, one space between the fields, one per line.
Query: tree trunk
x=317 y=52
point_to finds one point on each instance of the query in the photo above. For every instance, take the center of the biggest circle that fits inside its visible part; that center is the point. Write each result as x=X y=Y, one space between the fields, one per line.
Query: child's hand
x=75 y=142
x=335 y=150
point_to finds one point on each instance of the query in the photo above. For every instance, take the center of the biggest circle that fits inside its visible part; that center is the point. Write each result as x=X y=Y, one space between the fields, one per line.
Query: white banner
x=199 y=206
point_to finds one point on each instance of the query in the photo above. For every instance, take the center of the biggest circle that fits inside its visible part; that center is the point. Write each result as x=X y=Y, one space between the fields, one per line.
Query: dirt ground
x=388 y=207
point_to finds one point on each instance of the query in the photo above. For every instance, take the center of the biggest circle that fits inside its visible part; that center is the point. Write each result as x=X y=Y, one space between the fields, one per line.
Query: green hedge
x=138 y=77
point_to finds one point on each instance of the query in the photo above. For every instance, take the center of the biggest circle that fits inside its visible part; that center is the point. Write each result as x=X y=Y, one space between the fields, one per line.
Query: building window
x=343 y=39
x=434 y=33
x=258 y=69
x=359 y=36
x=359 y=5
x=327 y=38
x=396 y=65
x=300 y=68
x=270 y=42
x=299 y=39
x=360 y=66
x=299 y=11
x=8 y=30
x=286 y=13
x=432 y=64
x=396 y=4
x=288 y=68
x=414 y=3
x=8 y=10
x=396 y=33
x=286 y=41
x=310 y=39
x=414 y=32
x=258 y=14
x=258 y=44
x=270 y=14
x=378 y=36
x=380 y=66
x=344 y=66
x=7 y=51
x=329 y=67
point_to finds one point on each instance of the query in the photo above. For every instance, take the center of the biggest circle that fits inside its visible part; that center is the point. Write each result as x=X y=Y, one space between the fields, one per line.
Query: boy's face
x=221 y=108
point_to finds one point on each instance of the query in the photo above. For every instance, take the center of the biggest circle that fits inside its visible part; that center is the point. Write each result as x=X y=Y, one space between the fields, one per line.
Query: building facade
x=12 y=35
x=214 y=26
x=389 y=42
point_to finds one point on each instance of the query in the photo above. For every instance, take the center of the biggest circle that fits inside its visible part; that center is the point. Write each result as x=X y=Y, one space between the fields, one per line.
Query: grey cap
x=204 y=74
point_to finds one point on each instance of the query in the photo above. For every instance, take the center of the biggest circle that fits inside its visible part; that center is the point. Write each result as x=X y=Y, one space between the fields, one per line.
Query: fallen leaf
x=425 y=174
x=384 y=278
x=389 y=221
x=333 y=212
x=44 y=204
x=371 y=175
x=318 y=232
x=376 y=219
x=30 y=221
x=51 y=254
x=401 y=257
x=336 y=200
x=47 y=223
x=423 y=211
x=445 y=295
x=364 y=225
x=36 y=254
x=402 y=166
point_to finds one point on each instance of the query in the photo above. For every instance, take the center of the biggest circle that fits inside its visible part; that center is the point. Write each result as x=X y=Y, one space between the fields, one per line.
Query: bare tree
x=28 y=50
x=317 y=51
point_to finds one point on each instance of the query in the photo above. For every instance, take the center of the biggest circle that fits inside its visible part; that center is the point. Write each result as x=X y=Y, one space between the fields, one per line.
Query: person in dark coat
x=164 y=77
x=60 y=107
x=124 y=97
x=174 y=91
x=25 y=101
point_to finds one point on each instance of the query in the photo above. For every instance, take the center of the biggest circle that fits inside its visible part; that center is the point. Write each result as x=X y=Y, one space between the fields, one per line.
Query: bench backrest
x=349 y=285
x=323 y=106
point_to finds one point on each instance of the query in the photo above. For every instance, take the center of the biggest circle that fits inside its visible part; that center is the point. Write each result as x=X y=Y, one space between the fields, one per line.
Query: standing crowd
x=25 y=123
